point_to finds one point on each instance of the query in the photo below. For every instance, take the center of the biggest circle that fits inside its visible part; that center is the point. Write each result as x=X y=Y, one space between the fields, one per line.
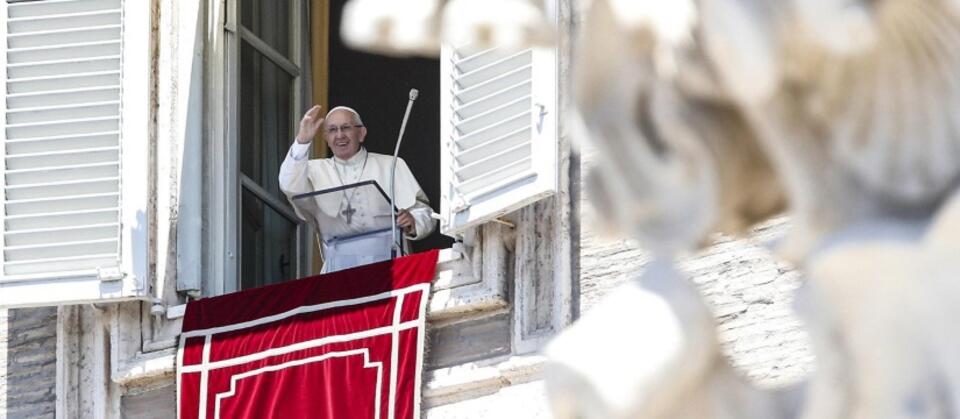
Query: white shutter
x=75 y=75
x=498 y=132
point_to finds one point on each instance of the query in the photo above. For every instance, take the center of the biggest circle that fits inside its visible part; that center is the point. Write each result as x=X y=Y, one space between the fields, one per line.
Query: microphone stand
x=397 y=243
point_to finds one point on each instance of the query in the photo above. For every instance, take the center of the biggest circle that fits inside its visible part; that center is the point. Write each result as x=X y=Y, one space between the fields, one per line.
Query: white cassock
x=354 y=224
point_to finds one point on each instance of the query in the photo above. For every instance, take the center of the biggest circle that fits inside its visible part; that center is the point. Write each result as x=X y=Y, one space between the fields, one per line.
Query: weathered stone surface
x=28 y=347
x=470 y=340
x=526 y=401
x=3 y=363
x=152 y=404
x=749 y=291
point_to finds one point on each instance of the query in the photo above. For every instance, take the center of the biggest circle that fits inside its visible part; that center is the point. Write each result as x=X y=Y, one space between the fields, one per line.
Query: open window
x=481 y=140
x=74 y=127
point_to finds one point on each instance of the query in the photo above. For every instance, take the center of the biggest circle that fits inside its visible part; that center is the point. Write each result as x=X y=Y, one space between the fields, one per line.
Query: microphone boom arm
x=397 y=243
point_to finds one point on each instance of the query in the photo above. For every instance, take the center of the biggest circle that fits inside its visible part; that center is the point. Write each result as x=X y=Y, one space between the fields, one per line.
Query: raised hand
x=311 y=122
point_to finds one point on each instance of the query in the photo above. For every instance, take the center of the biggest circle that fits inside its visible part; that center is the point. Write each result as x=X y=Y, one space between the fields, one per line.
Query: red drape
x=343 y=345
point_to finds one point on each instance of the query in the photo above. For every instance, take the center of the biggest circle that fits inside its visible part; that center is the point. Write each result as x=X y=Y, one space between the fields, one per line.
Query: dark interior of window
x=377 y=87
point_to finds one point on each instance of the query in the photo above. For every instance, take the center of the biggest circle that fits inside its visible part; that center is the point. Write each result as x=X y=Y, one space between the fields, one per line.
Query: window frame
x=225 y=182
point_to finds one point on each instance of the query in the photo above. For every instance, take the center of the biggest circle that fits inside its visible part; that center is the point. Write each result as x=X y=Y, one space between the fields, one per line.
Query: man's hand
x=406 y=222
x=311 y=122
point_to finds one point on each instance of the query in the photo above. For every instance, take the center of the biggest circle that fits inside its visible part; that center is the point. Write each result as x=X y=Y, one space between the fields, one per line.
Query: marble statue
x=714 y=115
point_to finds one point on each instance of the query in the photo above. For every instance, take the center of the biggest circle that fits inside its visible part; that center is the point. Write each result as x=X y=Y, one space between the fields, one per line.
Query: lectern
x=354 y=223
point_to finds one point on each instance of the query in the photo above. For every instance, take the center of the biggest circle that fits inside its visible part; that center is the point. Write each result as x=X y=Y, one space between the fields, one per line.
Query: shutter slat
x=51 y=189
x=59 y=229
x=48 y=236
x=59 y=249
x=63 y=52
x=519 y=106
x=490 y=71
x=95 y=68
x=474 y=164
x=59 y=31
x=65 y=174
x=60 y=219
x=59 y=267
x=60 y=152
x=59 y=199
x=65 y=97
x=74 y=136
x=54 y=114
x=509 y=139
x=489 y=180
x=59 y=7
x=56 y=168
x=46 y=39
x=506 y=127
x=47 y=261
x=65 y=203
x=465 y=60
x=42 y=145
x=61 y=127
x=495 y=99
x=64 y=21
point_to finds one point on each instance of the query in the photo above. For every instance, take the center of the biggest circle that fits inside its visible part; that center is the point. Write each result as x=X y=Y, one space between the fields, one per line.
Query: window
x=273 y=242
x=74 y=126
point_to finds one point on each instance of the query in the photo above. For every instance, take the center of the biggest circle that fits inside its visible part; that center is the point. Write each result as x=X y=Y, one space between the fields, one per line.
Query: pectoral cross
x=348 y=212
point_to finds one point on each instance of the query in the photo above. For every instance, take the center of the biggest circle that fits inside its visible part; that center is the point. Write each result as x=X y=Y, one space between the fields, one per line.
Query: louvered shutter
x=498 y=132
x=74 y=143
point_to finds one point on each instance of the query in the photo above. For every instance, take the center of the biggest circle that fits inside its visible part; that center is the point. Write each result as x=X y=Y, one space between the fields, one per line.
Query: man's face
x=342 y=134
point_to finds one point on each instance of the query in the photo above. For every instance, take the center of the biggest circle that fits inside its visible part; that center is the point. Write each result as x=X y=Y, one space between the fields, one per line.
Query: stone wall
x=749 y=292
x=28 y=348
x=3 y=363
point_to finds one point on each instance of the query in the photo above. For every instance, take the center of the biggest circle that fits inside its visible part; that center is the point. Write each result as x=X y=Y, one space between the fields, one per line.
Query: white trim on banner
x=296 y=363
x=393 y=330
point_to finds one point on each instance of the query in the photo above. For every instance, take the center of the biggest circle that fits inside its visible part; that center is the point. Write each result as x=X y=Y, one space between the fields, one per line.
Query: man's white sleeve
x=421 y=211
x=294 y=172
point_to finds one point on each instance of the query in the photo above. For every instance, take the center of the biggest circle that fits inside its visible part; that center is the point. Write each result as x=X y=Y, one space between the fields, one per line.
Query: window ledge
x=146 y=367
x=477 y=379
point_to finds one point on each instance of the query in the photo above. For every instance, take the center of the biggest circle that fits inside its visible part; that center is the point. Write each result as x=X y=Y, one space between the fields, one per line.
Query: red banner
x=343 y=345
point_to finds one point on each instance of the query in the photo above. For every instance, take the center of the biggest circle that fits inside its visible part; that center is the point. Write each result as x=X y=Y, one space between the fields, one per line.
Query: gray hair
x=356 y=116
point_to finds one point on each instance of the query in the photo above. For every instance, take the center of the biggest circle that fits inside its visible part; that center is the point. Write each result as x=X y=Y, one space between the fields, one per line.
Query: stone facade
x=4 y=339
x=749 y=290
x=28 y=368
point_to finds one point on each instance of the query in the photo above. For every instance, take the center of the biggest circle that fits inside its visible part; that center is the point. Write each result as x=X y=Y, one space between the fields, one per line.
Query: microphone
x=398 y=242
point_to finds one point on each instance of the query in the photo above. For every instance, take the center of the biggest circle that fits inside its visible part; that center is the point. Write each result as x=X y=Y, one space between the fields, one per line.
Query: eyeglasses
x=334 y=130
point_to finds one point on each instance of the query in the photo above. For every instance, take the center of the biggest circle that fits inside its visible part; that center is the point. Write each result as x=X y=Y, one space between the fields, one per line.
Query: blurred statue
x=719 y=112
x=416 y=27
x=713 y=115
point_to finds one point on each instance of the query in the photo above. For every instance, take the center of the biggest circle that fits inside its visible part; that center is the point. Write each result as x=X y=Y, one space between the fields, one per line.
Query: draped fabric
x=347 y=344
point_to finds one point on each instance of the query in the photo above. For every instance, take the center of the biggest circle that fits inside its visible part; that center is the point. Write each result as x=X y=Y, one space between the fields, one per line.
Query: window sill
x=477 y=379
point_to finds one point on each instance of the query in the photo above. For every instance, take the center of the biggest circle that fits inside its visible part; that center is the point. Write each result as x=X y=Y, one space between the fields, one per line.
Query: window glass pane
x=265 y=121
x=269 y=244
x=270 y=21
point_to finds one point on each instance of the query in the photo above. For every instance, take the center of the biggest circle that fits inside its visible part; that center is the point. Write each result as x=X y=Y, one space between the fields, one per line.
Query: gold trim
x=319 y=56
x=319 y=65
